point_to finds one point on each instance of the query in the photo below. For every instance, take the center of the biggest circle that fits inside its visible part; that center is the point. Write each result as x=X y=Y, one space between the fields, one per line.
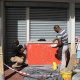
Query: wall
x=2 y=27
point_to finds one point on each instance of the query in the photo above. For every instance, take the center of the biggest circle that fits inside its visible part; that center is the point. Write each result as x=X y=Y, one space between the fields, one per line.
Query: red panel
x=41 y=54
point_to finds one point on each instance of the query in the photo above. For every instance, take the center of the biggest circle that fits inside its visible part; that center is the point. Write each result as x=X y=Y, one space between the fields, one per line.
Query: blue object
x=78 y=52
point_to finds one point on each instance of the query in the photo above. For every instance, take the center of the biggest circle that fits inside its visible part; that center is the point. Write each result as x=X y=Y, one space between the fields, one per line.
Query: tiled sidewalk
x=12 y=75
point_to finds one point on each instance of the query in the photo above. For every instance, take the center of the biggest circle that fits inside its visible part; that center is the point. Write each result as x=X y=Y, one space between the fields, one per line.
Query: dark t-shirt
x=16 y=49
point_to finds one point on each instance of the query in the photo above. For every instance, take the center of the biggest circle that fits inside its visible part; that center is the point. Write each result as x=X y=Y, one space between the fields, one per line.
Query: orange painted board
x=41 y=54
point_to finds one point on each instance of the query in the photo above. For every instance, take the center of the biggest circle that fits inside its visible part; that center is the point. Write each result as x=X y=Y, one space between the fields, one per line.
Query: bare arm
x=55 y=39
x=59 y=43
x=22 y=49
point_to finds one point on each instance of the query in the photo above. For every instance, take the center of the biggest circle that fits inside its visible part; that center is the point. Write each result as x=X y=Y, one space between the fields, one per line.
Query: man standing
x=62 y=39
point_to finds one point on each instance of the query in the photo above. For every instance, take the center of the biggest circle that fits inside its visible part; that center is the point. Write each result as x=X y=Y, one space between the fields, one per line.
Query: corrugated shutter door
x=77 y=28
x=42 y=21
x=15 y=27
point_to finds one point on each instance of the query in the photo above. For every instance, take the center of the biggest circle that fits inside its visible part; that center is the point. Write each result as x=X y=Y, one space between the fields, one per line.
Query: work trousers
x=18 y=60
x=64 y=56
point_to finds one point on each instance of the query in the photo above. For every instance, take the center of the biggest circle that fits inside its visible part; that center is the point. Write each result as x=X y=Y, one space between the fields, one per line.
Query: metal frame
x=77 y=1
x=27 y=24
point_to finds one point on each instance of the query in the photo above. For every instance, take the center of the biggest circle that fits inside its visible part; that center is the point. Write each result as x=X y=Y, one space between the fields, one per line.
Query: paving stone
x=76 y=76
x=42 y=71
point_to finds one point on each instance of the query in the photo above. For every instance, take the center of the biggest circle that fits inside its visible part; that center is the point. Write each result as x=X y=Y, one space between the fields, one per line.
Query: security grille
x=77 y=24
x=42 y=21
x=15 y=28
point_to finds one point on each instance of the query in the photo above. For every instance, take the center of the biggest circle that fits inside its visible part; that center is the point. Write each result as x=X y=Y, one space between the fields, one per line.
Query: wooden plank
x=1 y=61
x=72 y=48
x=1 y=65
x=71 y=62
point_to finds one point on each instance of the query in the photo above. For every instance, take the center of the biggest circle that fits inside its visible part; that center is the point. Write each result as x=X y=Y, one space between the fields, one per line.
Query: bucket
x=66 y=75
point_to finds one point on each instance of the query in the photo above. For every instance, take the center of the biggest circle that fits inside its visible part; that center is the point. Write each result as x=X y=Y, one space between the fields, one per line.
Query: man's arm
x=59 y=43
x=22 y=49
x=55 y=39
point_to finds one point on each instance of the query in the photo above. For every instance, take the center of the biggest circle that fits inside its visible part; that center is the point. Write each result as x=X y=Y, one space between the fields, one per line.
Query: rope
x=24 y=73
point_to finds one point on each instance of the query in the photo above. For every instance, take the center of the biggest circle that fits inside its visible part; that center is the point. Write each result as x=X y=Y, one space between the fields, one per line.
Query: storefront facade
x=29 y=21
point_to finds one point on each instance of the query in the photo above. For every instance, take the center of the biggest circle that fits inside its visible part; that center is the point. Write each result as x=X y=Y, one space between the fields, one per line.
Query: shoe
x=15 y=69
x=18 y=66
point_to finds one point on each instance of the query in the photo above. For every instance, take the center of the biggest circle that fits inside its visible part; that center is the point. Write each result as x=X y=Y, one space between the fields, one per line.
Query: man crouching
x=18 y=55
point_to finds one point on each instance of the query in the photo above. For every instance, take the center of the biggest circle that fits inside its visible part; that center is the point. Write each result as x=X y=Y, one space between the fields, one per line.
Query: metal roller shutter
x=36 y=4
x=42 y=21
x=15 y=28
x=77 y=18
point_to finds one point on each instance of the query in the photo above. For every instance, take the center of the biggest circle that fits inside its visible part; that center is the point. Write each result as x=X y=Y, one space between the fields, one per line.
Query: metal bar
x=27 y=23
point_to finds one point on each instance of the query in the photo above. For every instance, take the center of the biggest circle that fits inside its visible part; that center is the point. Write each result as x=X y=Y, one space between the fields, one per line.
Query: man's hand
x=55 y=40
x=22 y=49
x=54 y=45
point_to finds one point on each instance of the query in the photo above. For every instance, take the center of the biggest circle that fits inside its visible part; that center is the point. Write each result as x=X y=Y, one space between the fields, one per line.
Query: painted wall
x=41 y=54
